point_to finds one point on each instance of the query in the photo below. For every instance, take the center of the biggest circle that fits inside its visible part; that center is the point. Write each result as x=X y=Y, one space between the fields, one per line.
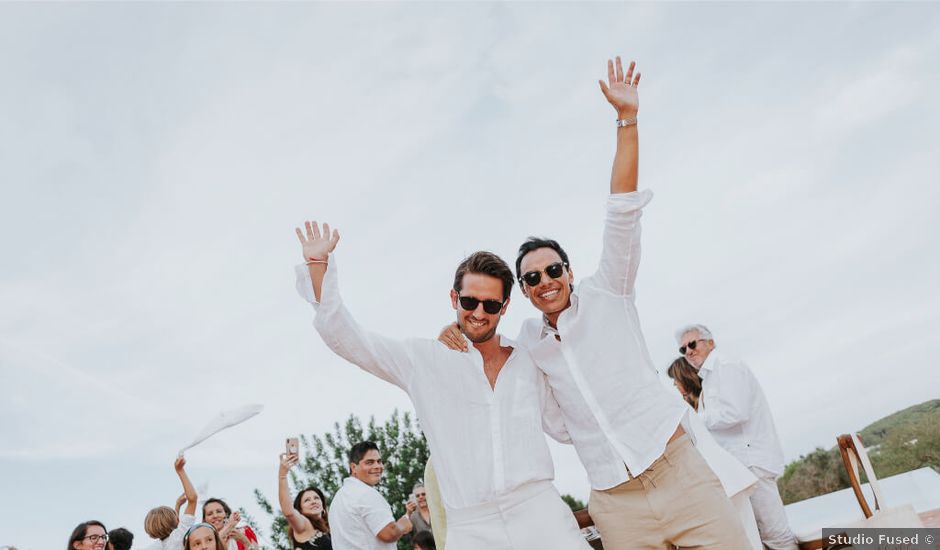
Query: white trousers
x=531 y=517
x=771 y=518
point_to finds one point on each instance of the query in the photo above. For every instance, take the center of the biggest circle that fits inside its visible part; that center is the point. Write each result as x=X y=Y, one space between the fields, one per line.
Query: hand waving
x=620 y=89
x=315 y=246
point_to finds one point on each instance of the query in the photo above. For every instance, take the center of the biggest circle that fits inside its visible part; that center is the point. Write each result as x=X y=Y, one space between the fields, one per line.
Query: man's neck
x=488 y=348
x=552 y=318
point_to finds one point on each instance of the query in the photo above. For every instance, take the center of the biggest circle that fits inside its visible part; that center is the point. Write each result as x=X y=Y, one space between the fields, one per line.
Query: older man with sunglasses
x=650 y=486
x=483 y=413
x=737 y=414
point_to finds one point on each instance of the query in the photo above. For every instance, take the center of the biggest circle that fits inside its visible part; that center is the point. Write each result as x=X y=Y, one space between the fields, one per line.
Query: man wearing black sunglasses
x=483 y=412
x=650 y=486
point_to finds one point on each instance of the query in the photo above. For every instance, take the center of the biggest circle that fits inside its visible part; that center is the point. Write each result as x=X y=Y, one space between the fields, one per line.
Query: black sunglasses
x=690 y=345
x=490 y=306
x=554 y=271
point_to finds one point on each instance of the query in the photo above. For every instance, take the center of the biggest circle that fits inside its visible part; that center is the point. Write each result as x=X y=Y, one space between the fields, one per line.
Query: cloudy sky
x=154 y=159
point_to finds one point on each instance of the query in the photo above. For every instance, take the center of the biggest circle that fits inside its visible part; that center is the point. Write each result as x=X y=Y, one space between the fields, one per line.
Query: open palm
x=317 y=246
x=621 y=89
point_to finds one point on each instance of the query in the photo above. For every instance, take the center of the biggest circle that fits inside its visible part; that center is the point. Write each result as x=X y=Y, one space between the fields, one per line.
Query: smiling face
x=95 y=538
x=696 y=357
x=421 y=497
x=214 y=514
x=369 y=469
x=202 y=538
x=476 y=324
x=310 y=504
x=550 y=296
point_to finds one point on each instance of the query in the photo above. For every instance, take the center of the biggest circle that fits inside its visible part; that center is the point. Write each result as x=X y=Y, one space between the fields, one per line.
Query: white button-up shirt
x=737 y=413
x=614 y=406
x=357 y=514
x=485 y=441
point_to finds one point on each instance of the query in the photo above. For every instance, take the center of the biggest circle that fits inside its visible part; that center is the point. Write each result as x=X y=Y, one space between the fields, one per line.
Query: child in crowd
x=163 y=524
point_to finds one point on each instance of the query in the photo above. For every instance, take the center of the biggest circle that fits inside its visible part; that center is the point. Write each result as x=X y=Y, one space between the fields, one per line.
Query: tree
x=404 y=452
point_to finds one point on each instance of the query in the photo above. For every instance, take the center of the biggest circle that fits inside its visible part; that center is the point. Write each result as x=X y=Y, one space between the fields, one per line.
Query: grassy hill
x=904 y=441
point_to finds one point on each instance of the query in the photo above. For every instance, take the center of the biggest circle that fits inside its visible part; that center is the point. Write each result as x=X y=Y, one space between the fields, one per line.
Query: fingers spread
x=611 y=78
x=636 y=81
x=619 y=70
x=300 y=235
x=316 y=230
x=629 y=77
x=604 y=89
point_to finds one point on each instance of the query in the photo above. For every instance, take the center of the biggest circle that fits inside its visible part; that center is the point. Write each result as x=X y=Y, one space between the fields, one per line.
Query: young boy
x=163 y=524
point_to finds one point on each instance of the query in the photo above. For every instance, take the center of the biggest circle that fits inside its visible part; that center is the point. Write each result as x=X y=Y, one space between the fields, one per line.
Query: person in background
x=361 y=518
x=162 y=522
x=736 y=413
x=421 y=517
x=218 y=514
x=203 y=536
x=88 y=535
x=120 y=539
x=308 y=526
x=685 y=378
x=423 y=541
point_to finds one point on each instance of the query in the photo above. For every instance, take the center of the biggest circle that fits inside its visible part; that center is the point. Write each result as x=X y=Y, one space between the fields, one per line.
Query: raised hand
x=410 y=507
x=620 y=88
x=179 y=464
x=315 y=246
x=287 y=462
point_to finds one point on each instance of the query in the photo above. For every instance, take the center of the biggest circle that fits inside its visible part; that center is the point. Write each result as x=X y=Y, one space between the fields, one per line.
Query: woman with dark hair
x=217 y=513
x=308 y=526
x=687 y=381
x=202 y=536
x=90 y=535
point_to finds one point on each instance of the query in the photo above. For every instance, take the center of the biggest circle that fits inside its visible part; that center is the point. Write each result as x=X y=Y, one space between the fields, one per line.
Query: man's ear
x=453 y=298
x=524 y=291
x=505 y=305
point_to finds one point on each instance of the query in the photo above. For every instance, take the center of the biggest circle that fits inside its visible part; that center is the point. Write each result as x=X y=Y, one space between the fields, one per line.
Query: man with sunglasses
x=650 y=486
x=736 y=412
x=483 y=412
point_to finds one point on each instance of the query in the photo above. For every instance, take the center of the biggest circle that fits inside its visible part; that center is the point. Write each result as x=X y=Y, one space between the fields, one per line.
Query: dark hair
x=228 y=511
x=360 y=449
x=81 y=530
x=218 y=540
x=683 y=372
x=321 y=523
x=121 y=538
x=534 y=243
x=485 y=263
x=424 y=539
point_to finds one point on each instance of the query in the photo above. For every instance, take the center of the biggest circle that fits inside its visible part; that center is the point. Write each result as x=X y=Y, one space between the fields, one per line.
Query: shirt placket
x=496 y=430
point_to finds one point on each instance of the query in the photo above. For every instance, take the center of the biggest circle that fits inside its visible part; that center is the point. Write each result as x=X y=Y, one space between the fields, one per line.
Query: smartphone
x=292 y=446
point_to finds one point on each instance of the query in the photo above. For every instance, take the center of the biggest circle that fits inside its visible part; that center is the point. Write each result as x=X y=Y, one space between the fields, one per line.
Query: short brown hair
x=160 y=522
x=485 y=263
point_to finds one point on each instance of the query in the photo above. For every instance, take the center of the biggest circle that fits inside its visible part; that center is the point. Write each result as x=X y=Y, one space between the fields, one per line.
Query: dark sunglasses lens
x=469 y=303
x=492 y=306
x=682 y=350
x=532 y=278
x=692 y=344
x=555 y=270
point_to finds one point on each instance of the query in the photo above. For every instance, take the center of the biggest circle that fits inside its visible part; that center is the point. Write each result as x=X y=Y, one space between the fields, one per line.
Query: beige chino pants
x=678 y=501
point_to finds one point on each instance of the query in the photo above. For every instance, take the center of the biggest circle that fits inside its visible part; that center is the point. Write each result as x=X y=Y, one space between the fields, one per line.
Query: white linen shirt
x=737 y=413
x=357 y=514
x=485 y=441
x=613 y=404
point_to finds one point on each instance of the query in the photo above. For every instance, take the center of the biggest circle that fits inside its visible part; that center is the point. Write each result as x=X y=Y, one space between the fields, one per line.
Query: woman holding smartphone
x=308 y=526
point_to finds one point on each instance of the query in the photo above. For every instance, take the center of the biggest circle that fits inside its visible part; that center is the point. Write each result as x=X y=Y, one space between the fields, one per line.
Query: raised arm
x=620 y=255
x=188 y=489
x=391 y=360
x=298 y=522
x=621 y=92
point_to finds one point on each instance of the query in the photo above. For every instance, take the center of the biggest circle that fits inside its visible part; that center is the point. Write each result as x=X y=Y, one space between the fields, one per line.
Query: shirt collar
x=709 y=364
x=547 y=329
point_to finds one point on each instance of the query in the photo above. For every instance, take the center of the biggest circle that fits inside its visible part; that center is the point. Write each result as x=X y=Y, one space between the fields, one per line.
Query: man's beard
x=476 y=339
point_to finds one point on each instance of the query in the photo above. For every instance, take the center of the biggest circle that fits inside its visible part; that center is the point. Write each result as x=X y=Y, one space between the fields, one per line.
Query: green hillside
x=904 y=441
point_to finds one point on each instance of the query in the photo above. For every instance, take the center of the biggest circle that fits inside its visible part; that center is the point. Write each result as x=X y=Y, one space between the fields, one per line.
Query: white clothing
x=614 y=407
x=738 y=481
x=736 y=413
x=488 y=443
x=357 y=514
x=771 y=517
x=174 y=541
x=532 y=517
x=485 y=441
